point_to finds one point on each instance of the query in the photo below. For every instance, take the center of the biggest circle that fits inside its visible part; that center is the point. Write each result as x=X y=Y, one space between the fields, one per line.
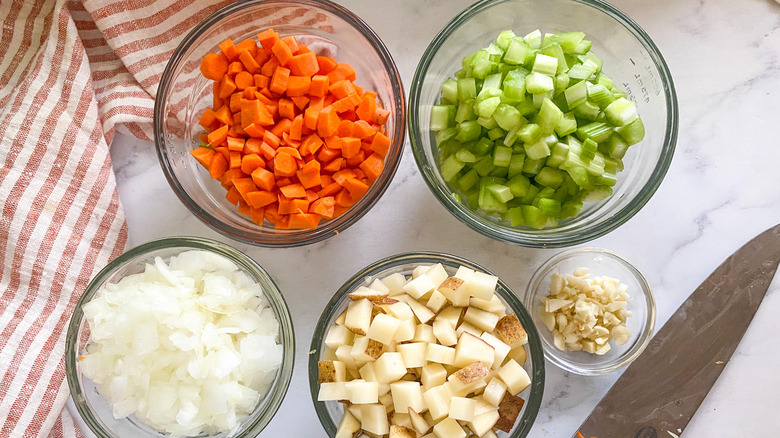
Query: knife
x=661 y=390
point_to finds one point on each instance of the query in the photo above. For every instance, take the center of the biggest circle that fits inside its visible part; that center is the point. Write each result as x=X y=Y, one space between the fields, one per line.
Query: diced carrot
x=342 y=88
x=235 y=159
x=304 y=221
x=281 y=127
x=234 y=103
x=302 y=48
x=372 y=166
x=327 y=64
x=251 y=162
x=326 y=180
x=292 y=143
x=269 y=67
x=254 y=111
x=312 y=143
x=290 y=151
x=281 y=182
x=304 y=64
x=319 y=85
x=271 y=213
x=243 y=80
x=204 y=137
x=249 y=45
x=359 y=174
x=268 y=38
x=323 y=207
x=382 y=115
x=345 y=128
x=261 y=81
x=224 y=115
x=218 y=166
x=208 y=118
x=260 y=199
x=309 y=175
x=229 y=49
x=310 y=117
x=218 y=136
x=226 y=87
x=279 y=80
x=282 y=223
x=285 y=165
x=342 y=176
x=262 y=56
x=282 y=52
x=257 y=215
x=343 y=198
x=347 y=103
x=333 y=142
x=204 y=156
x=233 y=196
x=290 y=206
x=326 y=155
x=271 y=139
x=249 y=62
x=350 y=146
x=268 y=152
x=296 y=129
x=354 y=161
x=381 y=144
x=298 y=86
x=214 y=66
x=286 y=108
x=293 y=191
x=361 y=129
x=329 y=190
x=341 y=72
x=244 y=186
x=263 y=179
x=252 y=146
x=357 y=189
x=254 y=130
x=235 y=144
x=300 y=101
x=291 y=42
x=327 y=122
x=367 y=108
x=235 y=68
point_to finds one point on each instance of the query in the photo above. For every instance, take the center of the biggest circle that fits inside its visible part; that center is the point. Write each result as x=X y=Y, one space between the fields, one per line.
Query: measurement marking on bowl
x=644 y=79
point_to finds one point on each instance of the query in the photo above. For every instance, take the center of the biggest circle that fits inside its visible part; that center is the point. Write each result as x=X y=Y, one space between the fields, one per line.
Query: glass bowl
x=96 y=411
x=600 y=262
x=630 y=58
x=184 y=94
x=330 y=413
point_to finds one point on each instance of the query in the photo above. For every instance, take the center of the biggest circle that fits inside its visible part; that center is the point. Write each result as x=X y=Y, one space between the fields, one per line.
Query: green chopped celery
x=504 y=38
x=468 y=130
x=468 y=180
x=500 y=192
x=534 y=39
x=488 y=203
x=442 y=116
x=569 y=41
x=599 y=193
x=494 y=49
x=517 y=52
x=482 y=147
x=537 y=151
x=554 y=50
x=465 y=156
x=618 y=93
x=616 y=147
x=486 y=107
x=546 y=65
x=580 y=72
x=514 y=216
x=561 y=83
x=589 y=148
x=621 y=112
x=559 y=154
x=613 y=165
x=566 y=125
x=496 y=133
x=492 y=82
x=483 y=68
x=600 y=95
x=532 y=166
x=450 y=168
x=548 y=117
x=549 y=206
x=549 y=177
x=500 y=172
x=445 y=135
x=465 y=111
x=597 y=131
x=607 y=179
x=507 y=116
x=449 y=90
x=467 y=89
x=515 y=165
x=595 y=61
x=487 y=123
x=583 y=47
x=484 y=166
x=530 y=133
x=537 y=83
x=518 y=185
x=633 y=132
x=539 y=98
x=533 y=217
x=530 y=194
x=605 y=80
x=587 y=110
x=580 y=176
x=576 y=94
x=502 y=156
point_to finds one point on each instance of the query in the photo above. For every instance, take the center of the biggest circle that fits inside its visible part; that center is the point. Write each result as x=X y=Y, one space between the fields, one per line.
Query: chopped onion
x=189 y=346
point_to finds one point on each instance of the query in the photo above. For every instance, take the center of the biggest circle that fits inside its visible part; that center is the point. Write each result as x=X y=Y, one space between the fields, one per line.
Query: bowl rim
x=541 y=238
x=558 y=357
x=286 y=238
x=535 y=356
x=276 y=392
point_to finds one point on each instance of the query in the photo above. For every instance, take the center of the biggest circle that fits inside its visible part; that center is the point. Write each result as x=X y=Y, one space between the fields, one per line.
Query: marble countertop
x=723 y=188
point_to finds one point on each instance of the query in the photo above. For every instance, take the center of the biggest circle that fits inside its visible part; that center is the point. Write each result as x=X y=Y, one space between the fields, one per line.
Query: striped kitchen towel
x=71 y=75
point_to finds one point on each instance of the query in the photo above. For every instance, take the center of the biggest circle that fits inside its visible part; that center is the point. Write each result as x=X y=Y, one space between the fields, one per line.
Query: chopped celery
x=465 y=156
x=548 y=117
x=576 y=94
x=487 y=123
x=546 y=65
x=569 y=41
x=566 y=125
x=484 y=166
x=549 y=177
x=450 y=167
x=515 y=165
x=502 y=156
x=537 y=151
x=482 y=147
x=467 y=89
x=507 y=116
x=517 y=52
x=533 y=217
x=632 y=133
x=519 y=185
x=597 y=131
x=621 y=112
x=587 y=110
x=465 y=111
x=442 y=116
x=600 y=95
x=449 y=90
x=468 y=130
x=616 y=147
x=504 y=38
x=532 y=166
x=529 y=133
x=496 y=133
x=468 y=180
x=486 y=107
x=534 y=39
x=515 y=216
x=558 y=155
x=537 y=83
x=500 y=192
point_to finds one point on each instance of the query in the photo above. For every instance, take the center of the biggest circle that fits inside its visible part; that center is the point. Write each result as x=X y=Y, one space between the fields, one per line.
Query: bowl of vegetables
x=180 y=336
x=280 y=123
x=543 y=123
x=426 y=343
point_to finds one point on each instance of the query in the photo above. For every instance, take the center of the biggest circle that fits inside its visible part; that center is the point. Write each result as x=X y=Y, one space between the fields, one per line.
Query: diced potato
x=423 y=314
x=386 y=400
x=407 y=395
x=445 y=332
x=437 y=273
x=420 y=270
x=344 y=355
x=329 y=354
x=331 y=371
x=451 y=314
x=482 y=285
x=413 y=354
x=401 y=432
x=449 y=428
x=362 y=392
x=482 y=405
x=367 y=372
x=437 y=400
x=440 y=354
x=436 y=302
x=470 y=374
x=395 y=283
x=365 y=350
x=511 y=331
x=340 y=319
x=433 y=374
x=455 y=290
x=383 y=328
x=483 y=423
x=379 y=285
x=508 y=411
x=494 y=391
x=390 y=367
x=374 y=419
x=358 y=317
x=500 y=349
x=419 y=423
x=400 y=310
x=469 y=328
x=481 y=319
x=494 y=305
x=424 y=333
x=405 y=331
x=464 y=273
x=419 y=286
x=462 y=408
x=489 y=434
x=333 y=391
x=402 y=420
x=347 y=426
x=338 y=335
x=515 y=377
x=362 y=292
x=471 y=349
x=354 y=410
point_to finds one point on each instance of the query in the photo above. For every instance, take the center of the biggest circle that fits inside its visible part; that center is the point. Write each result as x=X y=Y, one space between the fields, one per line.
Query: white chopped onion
x=189 y=346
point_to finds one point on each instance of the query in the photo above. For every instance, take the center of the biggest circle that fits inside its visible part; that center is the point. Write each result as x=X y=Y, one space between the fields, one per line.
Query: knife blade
x=662 y=389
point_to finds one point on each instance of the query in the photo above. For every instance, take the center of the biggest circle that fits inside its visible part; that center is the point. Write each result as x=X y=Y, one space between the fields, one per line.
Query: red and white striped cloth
x=71 y=75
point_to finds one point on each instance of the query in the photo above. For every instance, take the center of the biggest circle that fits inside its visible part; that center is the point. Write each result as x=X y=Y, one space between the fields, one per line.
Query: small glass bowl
x=630 y=58
x=184 y=94
x=330 y=413
x=96 y=411
x=600 y=262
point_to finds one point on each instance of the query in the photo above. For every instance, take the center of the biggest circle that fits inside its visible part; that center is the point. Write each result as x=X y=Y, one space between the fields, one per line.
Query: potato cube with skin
x=437 y=273
x=511 y=331
x=483 y=423
x=494 y=391
x=405 y=331
x=471 y=349
x=468 y=379
x=401 y=432
x=424 y=333
x=500 y=349
x=389 y=367
x=445 y=332
x=440 y=354
x=515 y=377
x=383 y=328
x=333 y=391
x=413 y=354
x=362 y=292
x=508 y=411
x=482 y=285
x=358 y=317
x=419 y=286
x=374 y=419
x=395 y=283
x=437 y=400
x=462 y=408
x=481 y=319
x=331 y=371
x=347 y=426
x=362 y=392
x=449 y=428
x=407 y=395
x=365 y=350
x=455 y=290
x=341 y=318
x=338 y=335
x=433 y=374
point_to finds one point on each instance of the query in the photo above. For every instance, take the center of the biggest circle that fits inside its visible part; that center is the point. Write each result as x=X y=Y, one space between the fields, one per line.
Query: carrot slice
x=293 y=191
x=203 y=156
x=268 y=38
x=282 y=52
x=319 y=85
x=286 y=108
x=233 y=196
x=263 y=179
x=251 y=162
x=214 y=66
x=243 y=80
x=367 y=108
x=304 y=221
x=291 y=42
x=298 y=86
x=300 y=101
x=342 y=71
x=304 y=64
x=309 y=175
x=218 y=166
x=260 y=199
x=327 y=122
x=229 y=49
x=218 y=136
x=285 y=165
x=279 y=80
x=296 y=128
x=357 y=189
x=327 y=64
x=323 y=207
x=380 y=144
x=350 y=146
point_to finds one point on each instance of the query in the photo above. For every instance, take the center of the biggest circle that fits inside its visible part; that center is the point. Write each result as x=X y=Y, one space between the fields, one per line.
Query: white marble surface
x=723 y=188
